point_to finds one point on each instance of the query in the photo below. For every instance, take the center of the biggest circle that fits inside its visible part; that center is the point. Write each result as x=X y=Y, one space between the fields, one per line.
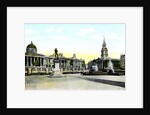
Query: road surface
x=75 y=82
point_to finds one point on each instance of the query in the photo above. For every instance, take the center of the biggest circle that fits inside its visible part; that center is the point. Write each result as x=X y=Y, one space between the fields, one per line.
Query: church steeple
x=104 y=44
x=104 y=50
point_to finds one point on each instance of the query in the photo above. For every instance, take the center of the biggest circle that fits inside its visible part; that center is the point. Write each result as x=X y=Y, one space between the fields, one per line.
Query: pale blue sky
x=83 y=39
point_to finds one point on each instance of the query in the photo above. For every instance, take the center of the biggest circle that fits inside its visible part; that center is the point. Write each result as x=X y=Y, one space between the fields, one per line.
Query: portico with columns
x=32 y=58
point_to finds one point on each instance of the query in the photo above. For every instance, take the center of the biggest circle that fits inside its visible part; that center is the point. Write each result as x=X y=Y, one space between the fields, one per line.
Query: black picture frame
x=43 y=3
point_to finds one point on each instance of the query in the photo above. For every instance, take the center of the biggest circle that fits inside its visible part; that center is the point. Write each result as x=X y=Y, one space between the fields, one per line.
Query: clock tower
x=104 y=50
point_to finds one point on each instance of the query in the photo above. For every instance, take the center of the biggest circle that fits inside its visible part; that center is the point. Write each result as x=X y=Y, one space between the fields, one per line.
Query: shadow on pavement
x=110 y=82
x=53 y=77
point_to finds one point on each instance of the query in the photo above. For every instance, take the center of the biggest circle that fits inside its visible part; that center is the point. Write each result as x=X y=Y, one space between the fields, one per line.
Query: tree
x=116 y=64
x=71 y=62
x=36 y=63
x=94 y=61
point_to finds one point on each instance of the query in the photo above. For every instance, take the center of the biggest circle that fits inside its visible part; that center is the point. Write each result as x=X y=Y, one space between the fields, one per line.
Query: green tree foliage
x=36 y=63
x=94 y=61
x=71 y=62
x=116 y=64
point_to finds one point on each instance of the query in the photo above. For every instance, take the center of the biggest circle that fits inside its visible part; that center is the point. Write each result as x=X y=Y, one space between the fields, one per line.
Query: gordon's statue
x=56 y=53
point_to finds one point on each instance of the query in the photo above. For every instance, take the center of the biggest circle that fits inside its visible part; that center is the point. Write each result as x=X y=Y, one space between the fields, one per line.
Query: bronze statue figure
x=56 y=53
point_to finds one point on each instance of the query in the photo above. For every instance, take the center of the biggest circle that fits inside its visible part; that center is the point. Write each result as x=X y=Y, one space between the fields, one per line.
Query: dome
x=31 y=48
x=31 y=45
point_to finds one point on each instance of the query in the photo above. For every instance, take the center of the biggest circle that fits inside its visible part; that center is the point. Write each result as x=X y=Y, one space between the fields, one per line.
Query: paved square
x=75 y=82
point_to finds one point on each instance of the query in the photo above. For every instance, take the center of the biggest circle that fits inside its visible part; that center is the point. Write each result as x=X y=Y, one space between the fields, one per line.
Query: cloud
x=51 y=29
x=85 y=31
x=113 y=36
x=58 y=38
x=95 y=37
x=30 y=32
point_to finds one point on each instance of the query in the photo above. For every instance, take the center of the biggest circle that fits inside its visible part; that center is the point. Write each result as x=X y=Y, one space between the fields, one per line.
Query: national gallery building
x=41 y=63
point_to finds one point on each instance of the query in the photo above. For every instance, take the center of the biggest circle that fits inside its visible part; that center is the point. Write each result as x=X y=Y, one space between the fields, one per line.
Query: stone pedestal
x=56 y=67
x=56 y=70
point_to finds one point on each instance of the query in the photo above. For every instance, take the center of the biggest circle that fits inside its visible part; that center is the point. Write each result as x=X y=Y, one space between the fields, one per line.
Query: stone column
x=47 y=62
x=60 y=65
x=64 y=65
x=30 y=61
x=81 y=65
x=33 y=59
x=40 y=62
x=27 y=61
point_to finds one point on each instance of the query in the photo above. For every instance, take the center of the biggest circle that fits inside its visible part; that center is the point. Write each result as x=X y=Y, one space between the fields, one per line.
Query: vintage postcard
x=74 y=56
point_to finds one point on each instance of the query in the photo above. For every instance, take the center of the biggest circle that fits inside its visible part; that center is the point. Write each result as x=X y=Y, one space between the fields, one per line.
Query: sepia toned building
x=102 y=62
x=39 y=63
x=122 y=61
x=32 y=58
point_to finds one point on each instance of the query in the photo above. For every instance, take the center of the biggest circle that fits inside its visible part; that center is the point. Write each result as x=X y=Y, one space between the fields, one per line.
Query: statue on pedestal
x=110 y=66
x=56 y=70
x=56 y=53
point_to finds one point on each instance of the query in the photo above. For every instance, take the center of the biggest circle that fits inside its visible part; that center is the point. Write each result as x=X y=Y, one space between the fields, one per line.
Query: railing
x=44 y=70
